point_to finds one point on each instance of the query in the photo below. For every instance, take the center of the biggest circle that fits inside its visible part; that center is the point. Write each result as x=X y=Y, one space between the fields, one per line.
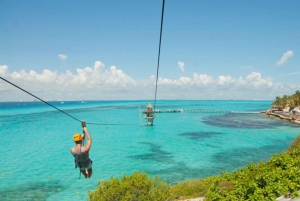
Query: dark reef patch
x=241 y=157
x=33 y=191
x=199 y=135
x=223 y=161
x=245 y=121
x=156 y=154
x=178 y=172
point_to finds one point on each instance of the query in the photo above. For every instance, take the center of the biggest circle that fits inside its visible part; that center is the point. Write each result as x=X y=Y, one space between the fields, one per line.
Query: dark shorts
x=84 y=165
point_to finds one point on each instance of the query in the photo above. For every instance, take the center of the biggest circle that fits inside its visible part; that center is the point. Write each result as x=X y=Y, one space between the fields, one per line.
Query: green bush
x=191 y=189
x=264 y=181
x=136 y=187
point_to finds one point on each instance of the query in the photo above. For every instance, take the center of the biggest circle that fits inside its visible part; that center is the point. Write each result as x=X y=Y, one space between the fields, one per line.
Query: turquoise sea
x=37 y=165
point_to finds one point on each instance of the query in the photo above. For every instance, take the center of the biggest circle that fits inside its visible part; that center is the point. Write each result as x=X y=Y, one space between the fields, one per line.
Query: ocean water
x=37 y=165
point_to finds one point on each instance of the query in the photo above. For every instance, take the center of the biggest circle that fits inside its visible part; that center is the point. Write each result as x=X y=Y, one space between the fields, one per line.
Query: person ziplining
x=81 y=152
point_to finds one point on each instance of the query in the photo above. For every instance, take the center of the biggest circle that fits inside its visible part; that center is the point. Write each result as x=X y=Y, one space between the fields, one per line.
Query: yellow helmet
x=77 y=137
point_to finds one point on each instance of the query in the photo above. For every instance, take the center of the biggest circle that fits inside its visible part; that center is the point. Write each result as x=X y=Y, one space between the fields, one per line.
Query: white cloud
x=285 y=57
x=3 y=70
x=181 y=66
x=101 y=83
x=202 y=79
x=255 y=80
x=225 y=79
x=62 y=56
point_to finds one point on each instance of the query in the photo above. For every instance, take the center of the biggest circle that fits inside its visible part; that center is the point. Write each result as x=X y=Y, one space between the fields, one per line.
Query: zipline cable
x=161 y=26
x=56 y=107
x=39 y=99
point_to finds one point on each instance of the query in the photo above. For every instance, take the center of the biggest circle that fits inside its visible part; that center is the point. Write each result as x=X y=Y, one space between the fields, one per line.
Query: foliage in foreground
x=264 y=181
x=192 y=188
x=140 y=187
x=136 y=187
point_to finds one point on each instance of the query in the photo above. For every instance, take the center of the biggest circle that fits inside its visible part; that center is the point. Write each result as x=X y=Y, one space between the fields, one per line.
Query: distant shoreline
x=116 y=100
x=282 y=116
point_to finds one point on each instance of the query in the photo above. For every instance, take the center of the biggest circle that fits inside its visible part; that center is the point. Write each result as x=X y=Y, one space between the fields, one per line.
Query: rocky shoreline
x=282 y=115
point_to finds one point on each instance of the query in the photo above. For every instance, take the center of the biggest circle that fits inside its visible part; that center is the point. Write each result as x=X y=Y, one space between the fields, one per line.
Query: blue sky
x=248 y=49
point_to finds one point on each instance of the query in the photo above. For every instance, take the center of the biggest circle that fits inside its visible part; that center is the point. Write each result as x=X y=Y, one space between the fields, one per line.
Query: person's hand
x=84 y=129
x=83 y=124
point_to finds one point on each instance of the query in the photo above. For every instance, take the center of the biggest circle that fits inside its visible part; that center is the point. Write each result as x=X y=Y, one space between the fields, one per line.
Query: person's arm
x=89 y=142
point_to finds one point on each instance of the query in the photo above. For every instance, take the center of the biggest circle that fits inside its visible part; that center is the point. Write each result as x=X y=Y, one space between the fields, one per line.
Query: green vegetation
x=292 y=100
x=136 y=187
x=191 y=189
x=264 y=181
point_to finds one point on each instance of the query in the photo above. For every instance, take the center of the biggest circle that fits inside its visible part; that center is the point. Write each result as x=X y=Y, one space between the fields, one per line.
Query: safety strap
x=79 y=167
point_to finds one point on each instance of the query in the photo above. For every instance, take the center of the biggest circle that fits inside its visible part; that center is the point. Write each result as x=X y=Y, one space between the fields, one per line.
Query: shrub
x=265 y=181
x=136 y=187
x=191 y=188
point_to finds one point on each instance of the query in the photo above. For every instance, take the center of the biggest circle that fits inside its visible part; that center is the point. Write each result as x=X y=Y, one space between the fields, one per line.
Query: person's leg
x=90 y=172
x=84 y=172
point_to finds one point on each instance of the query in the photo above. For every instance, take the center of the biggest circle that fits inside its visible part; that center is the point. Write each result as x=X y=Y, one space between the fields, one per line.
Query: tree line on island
x=292 y=101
